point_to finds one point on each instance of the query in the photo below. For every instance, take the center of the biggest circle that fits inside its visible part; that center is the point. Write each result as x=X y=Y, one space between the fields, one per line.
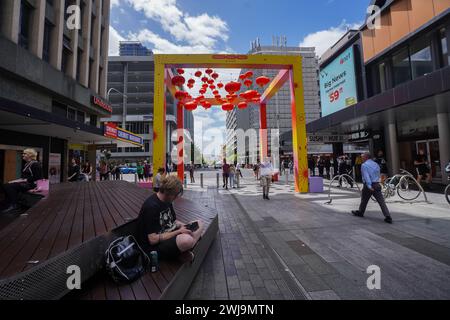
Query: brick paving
x=296 y=247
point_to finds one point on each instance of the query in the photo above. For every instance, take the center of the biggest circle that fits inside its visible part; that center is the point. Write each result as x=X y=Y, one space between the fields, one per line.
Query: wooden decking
x=78 y=221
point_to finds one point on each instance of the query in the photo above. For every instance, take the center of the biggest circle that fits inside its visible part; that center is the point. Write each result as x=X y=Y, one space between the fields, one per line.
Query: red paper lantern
x=210 y=81
x=220 y=85
x=190 y=85
x=232 y=87
x=242 y=105
x=180 y=71
x=180 y=95
x=227 y=106
x=192 y=105
x=209 y=71
x=248 y=74
x=248 y=83
x=205 y=85
x=215 y=92
x=212 y=87
x=242 y=76
x=207 y=105
x=262 y=81
x=205 y=79
x=202 y=91
x=178 y=81
x=215 y=75
x=191 y=81
x=198 y=74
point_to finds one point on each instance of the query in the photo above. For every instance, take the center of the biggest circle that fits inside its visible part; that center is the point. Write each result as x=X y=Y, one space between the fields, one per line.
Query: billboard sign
x=338 y=83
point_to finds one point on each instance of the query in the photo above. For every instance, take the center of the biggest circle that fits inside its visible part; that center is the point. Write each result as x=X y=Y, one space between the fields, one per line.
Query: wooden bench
x=73 y=226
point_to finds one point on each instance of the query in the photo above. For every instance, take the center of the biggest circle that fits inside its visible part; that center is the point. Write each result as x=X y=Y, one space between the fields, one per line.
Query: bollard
x=287 y=178
x=201 y=180
x=238 y=180
x=218 y=175
x=185 y=181
x=135 y=178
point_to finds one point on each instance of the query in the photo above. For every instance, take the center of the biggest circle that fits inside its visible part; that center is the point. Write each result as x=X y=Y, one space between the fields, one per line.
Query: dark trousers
x=12 y=191
x=365 y=197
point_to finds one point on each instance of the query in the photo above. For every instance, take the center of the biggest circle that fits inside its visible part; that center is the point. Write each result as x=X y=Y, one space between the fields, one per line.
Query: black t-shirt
x=155 y=217
x=32 y=172
x=421 y=158
x=74 y=170
x=382 y=163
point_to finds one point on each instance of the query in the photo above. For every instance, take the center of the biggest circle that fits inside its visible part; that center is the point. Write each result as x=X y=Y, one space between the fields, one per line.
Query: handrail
x=339 y=177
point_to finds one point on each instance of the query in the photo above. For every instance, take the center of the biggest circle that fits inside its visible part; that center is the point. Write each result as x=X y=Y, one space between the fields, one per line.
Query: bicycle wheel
x=408 y=189
x=447 y=193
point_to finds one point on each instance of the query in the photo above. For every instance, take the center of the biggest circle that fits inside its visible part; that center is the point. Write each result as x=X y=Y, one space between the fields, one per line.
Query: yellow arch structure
x=290 y=70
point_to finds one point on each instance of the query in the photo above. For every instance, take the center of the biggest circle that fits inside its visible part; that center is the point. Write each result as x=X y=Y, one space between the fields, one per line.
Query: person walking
x=282 y=171
x=140 y=171
x=266 y=177
x=103 y=171
x=291 y=167
x=31 y=173
x=256 y=170
x=312 y=166
x=146 y=171
x=422 y=167
x=327 y=167
x=371 y=179
x=321 y=165
x=225 y=173
x=232 y=176
x=191 y=172
x=116 y=171
x=358 y=164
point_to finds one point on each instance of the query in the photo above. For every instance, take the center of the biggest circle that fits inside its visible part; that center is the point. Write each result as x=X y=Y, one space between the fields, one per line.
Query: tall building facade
x=131 y=94
x=279 y=115
x=395 y=94
x=52 y=81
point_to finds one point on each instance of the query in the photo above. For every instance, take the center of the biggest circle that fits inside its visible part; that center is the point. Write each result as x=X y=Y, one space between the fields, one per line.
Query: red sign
x=230 y=57
x=102 y=104
x=110 y=130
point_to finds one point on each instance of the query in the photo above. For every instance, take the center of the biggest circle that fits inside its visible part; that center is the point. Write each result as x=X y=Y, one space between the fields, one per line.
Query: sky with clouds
x=207 y=26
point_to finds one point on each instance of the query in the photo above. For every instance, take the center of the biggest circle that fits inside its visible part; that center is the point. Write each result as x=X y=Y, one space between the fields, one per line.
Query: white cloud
x=114 y=39
x=322 y=40
x=200 y=32
x=115 y=3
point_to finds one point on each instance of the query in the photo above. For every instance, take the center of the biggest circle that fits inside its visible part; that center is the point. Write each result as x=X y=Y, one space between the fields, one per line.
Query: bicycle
x=404 y=184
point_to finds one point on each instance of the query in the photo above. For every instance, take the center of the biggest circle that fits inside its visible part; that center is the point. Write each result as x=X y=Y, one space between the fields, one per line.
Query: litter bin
x=316 y=185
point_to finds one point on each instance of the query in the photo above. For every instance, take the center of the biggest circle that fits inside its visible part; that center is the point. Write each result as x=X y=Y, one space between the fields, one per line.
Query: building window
x=79 y=59
x=47 y=37
x=71 y=114
x=401 y=67
x=80 y=116
x=421 y=59
x=147 y=145
x=25 y=19
x=59 y=109
x=445 y=57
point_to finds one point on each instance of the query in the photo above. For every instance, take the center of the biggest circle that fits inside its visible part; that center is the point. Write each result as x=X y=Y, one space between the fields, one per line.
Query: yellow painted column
x=299 y=139
x=159 y=118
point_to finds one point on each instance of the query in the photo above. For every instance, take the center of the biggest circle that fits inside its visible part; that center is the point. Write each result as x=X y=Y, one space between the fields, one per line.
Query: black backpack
x=125 y=260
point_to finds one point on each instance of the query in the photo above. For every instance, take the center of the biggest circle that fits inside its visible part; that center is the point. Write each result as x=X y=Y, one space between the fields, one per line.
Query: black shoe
x=388 y=220
x=356 y=213
x=267 y=198
x=10 y=209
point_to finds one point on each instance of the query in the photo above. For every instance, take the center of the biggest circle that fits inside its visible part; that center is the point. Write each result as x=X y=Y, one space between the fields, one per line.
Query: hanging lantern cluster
x=208 y=79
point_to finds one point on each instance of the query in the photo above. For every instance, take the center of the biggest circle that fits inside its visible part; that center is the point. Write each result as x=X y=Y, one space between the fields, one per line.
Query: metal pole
x=286 y=174
x=217 y=176
x=185 y=181
x=135 y=178
x=201 y=180
x=238 y=180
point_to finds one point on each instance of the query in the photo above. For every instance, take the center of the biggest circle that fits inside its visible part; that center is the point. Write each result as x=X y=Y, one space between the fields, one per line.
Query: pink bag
x=43 y=186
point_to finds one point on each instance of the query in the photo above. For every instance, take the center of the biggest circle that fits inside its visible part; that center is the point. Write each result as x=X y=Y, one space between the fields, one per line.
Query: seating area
x=74 y=226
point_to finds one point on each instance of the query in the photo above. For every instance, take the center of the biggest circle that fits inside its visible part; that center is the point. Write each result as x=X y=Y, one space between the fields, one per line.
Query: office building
x=393 y=92
x=131 y=94
x=52 y=82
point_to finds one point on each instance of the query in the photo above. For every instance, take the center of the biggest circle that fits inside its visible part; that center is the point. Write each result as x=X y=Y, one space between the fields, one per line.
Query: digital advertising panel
x=338 y=83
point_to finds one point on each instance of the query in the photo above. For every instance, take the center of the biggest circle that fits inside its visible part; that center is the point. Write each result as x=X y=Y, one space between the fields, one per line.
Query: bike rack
x=339 y=177
x=419 y=185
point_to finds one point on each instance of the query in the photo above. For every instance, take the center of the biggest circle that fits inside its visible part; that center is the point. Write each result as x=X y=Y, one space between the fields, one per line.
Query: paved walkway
x=297 y=247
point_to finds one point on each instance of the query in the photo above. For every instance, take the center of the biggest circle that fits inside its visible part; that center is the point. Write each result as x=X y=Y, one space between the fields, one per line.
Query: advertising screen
x=338 y=83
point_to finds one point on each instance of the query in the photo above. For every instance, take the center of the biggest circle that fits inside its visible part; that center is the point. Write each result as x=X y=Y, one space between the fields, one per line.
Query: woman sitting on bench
x=30 y=174
x=158 y=230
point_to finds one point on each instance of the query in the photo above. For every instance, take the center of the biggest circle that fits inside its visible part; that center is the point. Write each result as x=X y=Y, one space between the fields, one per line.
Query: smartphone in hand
x=192 y=226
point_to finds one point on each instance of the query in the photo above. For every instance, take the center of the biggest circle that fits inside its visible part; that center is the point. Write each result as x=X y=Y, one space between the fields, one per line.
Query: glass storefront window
x=421 y=59
x=444 y=47
x=401 y=67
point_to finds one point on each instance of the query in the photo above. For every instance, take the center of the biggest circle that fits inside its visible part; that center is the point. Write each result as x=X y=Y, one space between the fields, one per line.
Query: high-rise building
x=131 y=94
x=133 y=48
x=52 y=81
x=279 y=115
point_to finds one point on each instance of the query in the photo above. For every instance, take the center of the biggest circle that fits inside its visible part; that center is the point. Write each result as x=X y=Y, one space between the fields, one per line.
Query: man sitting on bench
x=158 y=230
x=30 y=174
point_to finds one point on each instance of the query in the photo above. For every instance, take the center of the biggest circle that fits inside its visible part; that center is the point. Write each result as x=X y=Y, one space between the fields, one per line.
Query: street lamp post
x=124 y=103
